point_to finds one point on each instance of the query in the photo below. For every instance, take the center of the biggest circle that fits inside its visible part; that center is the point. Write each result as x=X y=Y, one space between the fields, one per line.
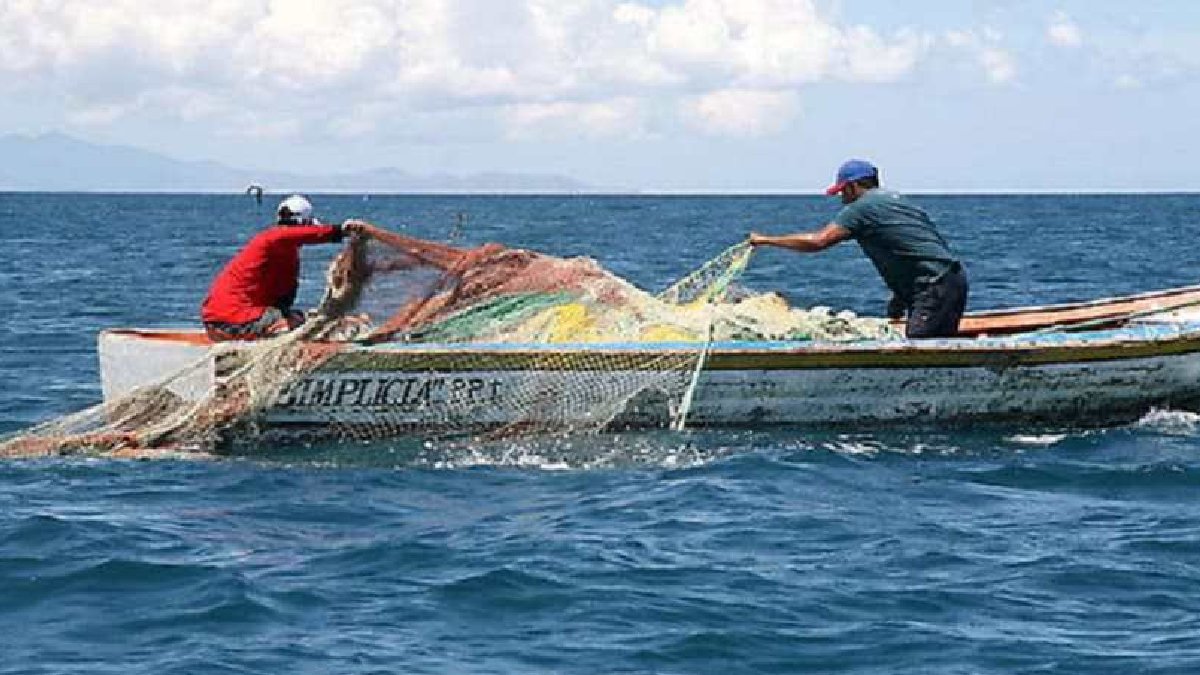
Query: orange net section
x=407 y=286
x=596 y=352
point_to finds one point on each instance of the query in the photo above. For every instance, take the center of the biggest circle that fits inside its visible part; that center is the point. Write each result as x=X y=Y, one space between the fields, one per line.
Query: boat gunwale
x=1124 y=344
x=199 y=338
x=1084 y=304
x=1134 y=340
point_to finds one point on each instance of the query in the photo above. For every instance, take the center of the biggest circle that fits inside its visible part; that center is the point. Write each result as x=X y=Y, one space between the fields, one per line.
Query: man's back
x=899 y=238
x=265 y=272
x=927 y=281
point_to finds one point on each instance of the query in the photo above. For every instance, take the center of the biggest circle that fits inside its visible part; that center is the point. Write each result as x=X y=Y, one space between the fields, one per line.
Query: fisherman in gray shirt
x=928 y=282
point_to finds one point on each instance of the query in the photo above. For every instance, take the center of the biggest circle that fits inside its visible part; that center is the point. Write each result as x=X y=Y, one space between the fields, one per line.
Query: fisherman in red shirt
x=252 y=296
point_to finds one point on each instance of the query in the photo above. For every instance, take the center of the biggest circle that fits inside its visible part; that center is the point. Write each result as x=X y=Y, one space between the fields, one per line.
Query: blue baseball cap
x=852 y=170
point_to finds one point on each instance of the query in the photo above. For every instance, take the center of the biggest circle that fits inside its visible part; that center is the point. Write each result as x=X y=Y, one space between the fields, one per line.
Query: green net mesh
x=414 y=337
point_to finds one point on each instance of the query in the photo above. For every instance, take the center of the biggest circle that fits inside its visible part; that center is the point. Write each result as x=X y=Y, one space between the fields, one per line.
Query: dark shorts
x=938 y=306
x=271 y=323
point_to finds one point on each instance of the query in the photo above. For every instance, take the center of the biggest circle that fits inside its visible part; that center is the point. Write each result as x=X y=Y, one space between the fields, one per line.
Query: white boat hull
x=1090 y=379
x=1052 y=393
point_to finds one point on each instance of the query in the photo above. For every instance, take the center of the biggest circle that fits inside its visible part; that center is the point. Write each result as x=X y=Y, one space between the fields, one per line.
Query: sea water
x=1017 y=550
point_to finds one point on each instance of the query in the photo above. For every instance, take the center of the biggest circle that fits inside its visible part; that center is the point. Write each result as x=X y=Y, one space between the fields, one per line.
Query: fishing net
x=414 y=337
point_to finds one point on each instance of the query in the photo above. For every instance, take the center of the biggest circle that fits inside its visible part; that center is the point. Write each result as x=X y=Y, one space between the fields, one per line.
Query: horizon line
x=648 y=192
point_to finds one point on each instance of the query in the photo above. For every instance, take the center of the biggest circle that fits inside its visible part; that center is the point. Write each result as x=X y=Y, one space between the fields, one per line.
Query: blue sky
x=717 y=95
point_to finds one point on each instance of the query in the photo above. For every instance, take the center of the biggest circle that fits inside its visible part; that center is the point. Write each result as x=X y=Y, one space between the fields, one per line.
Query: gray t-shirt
x=899 y=238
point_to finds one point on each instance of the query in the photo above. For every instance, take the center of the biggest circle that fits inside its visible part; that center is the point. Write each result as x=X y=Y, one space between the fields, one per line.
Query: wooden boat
x=1175 y=304
x=1092 y=363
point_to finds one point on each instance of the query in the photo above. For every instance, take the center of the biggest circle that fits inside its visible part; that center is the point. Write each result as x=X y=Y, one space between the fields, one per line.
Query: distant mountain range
x=58 y=162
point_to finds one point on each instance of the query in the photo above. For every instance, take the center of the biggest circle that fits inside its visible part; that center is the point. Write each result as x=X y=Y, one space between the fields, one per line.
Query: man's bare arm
x=808 y=242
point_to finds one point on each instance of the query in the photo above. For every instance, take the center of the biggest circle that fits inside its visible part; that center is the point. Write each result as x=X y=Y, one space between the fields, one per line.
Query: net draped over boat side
x=417 y=291
x=559 y=313
x=592 y=350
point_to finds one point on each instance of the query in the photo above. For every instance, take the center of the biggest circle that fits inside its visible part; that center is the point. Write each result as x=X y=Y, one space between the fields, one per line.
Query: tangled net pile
x=451 y=310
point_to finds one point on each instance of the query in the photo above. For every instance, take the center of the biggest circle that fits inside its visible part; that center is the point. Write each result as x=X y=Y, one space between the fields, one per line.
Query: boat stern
x=135 y=358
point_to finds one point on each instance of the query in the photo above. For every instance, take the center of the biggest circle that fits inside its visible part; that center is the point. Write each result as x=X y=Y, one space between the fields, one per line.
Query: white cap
x=299 y=209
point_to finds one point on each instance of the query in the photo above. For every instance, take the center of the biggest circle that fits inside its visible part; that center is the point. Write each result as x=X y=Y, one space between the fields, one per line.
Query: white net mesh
x=418 y=338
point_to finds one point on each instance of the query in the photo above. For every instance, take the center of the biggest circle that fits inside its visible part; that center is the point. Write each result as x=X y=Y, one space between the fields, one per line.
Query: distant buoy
x=257 y=191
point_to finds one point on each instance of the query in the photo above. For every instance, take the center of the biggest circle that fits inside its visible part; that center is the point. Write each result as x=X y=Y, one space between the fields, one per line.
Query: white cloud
x=1127 y=81
x=618 y=117
x=999 y=66
x=346 y=67
x=959 y=38
x=303 y=45
x=1063 y=32
x=741 y=112
x=773 y=43
x=97 y=115
x=872 y=59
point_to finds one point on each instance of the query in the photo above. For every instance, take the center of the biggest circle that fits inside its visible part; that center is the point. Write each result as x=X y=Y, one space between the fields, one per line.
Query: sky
x=670 y=95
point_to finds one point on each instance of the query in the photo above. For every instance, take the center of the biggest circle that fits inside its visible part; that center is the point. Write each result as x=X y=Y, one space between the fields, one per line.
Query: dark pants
x=938 y=306
x=272 y=322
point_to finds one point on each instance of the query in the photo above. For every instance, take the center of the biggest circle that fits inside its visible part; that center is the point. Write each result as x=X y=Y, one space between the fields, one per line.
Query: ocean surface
x=940 y=551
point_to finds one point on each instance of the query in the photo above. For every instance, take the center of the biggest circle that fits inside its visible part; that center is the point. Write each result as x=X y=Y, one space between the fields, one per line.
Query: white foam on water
x=1170 y=422
x=848 y=446
x=1036 y=440
x=572 y=453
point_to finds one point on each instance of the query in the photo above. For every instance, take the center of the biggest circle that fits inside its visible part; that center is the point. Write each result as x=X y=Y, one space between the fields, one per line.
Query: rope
x=740 y=255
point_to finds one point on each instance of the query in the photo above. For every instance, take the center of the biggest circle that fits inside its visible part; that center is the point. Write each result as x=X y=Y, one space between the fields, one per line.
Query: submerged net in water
x=417 y=337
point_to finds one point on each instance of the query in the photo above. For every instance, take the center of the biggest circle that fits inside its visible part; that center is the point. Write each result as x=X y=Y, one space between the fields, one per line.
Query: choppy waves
x=784 y=556
x=1023 y=550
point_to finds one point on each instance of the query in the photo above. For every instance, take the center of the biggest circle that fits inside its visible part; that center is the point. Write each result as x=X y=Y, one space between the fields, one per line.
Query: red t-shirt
x=265 y=273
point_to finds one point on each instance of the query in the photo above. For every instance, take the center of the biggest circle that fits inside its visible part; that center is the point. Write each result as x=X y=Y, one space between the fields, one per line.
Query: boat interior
x=1104 y=314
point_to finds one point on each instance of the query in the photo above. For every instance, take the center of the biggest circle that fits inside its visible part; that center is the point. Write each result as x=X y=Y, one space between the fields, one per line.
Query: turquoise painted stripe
x=1139 y=332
